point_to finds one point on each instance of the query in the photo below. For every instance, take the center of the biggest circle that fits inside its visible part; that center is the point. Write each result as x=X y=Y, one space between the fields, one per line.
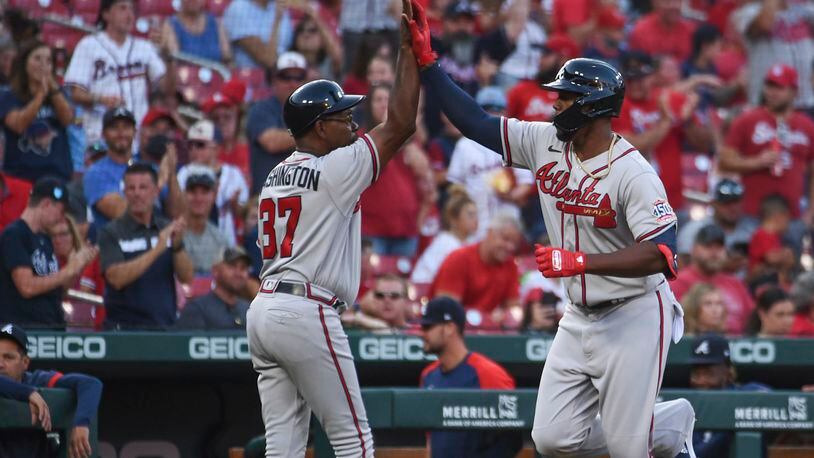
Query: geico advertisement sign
x=219 y=348
x=392 y=349
x=537 y=349
x=67 y=347
x=752 y=352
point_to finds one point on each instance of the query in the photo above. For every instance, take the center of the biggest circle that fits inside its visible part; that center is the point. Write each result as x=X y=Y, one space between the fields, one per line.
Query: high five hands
x=414 y=19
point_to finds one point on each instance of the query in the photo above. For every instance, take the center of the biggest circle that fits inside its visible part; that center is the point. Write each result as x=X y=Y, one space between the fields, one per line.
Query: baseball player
x=309 y=225
x=613 y=238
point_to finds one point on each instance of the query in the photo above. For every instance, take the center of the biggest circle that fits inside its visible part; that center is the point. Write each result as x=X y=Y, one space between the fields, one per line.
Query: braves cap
x=443 y=309
x=710 y=349
x=203 y=130
x=728 y=190
x=50 y=188
x=16 y=334
x=117 y=113
x=782 y=75
x=291 y=60
x=710 y=234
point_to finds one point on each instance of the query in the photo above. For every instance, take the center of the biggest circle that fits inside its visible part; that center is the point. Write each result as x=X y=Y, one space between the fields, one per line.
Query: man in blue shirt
x=250 y=25
x=442 y=329
x=19 y=384
x=712 y=370
x=141 y=254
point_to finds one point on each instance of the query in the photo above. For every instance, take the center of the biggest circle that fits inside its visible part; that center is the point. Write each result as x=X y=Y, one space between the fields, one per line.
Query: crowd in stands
x=136 y=136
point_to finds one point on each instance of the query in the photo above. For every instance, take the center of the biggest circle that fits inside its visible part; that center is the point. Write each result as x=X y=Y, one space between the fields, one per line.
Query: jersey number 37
x=286 y=207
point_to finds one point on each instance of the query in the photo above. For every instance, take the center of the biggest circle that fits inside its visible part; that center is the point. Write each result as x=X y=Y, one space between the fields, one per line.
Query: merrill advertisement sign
x=792 y=416
x=502 y=414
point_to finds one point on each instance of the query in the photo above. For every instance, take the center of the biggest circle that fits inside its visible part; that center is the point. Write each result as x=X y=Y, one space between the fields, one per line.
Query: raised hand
x=420 y=35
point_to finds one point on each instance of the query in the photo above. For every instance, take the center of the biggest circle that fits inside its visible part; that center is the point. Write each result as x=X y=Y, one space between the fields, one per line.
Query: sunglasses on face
x=389 y=295
x=197 y=144
x=291 y=77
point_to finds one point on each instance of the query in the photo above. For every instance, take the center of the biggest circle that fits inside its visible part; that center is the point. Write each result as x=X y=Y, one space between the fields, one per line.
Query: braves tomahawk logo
x=580 y=202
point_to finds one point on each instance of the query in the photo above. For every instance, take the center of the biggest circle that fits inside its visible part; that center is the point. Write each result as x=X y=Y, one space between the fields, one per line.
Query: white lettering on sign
x=537 y=349
x=795 y=416
x=67 y=347
x=220 y=348
x=392 y=349
x=760 y=352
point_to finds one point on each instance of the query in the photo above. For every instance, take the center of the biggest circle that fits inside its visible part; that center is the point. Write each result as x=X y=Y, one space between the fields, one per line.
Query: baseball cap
x=230 y=94
x=637 y=64
x=728 y=190
x=16 y=334
x=115 y=113
x=443 y=309
x=710 y=234
x=154 y=114
x=710 y=349
x=50 y=188
x=461 y=8
x=562 y=44
x=539 y=295
x=491 y=97
x=203 y=130
x=291 y=60
x=782 y=75
x=232 y=254
x=610 y=18
x=199 y=175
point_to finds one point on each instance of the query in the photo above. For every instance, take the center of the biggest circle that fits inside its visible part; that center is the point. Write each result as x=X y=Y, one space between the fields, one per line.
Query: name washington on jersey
x=294 y=175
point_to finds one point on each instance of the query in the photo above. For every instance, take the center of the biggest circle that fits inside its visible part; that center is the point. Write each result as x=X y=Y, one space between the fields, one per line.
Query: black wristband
x=177 y=248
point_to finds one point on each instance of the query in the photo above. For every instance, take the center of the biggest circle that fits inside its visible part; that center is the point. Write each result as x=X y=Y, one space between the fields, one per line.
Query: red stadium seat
x=255 y=79
x=217 y=7
x=198 y=83
x=383 y=264
x=38 y=8
x=58 y=36
x=83 y=7
x=155 y=7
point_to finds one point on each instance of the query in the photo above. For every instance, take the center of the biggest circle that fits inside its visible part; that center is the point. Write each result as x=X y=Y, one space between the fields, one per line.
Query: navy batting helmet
x=313 y=100
x=600 y=89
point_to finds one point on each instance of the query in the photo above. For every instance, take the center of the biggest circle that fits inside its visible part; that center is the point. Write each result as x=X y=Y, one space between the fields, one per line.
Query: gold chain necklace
x=599 y=176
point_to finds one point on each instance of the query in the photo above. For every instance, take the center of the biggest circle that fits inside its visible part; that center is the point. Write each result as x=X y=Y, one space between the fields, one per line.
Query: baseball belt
x=306 y=290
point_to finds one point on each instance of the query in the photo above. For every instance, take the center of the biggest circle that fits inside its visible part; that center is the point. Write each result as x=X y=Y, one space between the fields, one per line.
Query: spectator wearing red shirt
x=13 y=198
x=527 y=100
x=391 y=205
x=658 y=121
x=484 y=276
x=442 y=330
x=768 y=254
x=708 y=261
x=223 y=108
x=772 y=146
x=663 y=31
x=575 y=18
x=802 y=293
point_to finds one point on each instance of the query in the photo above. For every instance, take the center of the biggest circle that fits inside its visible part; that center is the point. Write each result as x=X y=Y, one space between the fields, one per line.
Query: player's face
x=200 y=201
x=709 y=377
x=434 y=337
x=711 y=313
x=140 y=191
x=12 y=363
x=778 y=319
x=120 y=16
x=467 y=221
x=339 y=128
x=119 y=137
x=39 y=65
x=564 y=100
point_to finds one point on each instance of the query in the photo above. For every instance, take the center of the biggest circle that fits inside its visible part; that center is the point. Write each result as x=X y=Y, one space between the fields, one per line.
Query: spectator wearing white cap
x=260 y=30
x=204 y=241
x=494 y=188
x=232 y=190
x=269 y=140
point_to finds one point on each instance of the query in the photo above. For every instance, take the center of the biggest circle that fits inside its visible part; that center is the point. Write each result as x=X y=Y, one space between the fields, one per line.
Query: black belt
x=304 y=290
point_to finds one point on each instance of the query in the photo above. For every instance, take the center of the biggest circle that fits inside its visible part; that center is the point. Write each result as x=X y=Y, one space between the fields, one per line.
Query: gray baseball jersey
x=309 y=219
x=581 y=213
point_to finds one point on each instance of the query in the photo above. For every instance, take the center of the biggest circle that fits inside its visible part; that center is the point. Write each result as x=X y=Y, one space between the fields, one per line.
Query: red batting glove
x=420 y=34
x=556 y=262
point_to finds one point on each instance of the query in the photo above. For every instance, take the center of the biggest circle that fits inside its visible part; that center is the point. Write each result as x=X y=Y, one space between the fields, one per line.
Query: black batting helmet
x=600 y=89
x=313 y=100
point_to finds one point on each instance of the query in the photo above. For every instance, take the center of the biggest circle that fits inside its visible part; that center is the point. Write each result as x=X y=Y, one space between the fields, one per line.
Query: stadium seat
x=198 y=83
x=217 y=7
x=38 y=8
x=384 y=264
x=155 y=7
x=200 y=286
x=255 y=79
x=58 y=36
x=85 y=7
x=695 y=168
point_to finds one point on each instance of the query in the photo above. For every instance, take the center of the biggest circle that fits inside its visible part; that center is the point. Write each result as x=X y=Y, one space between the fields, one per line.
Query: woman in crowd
x=773 y=315
x=704 y=310
x=540 y=312
x=35 y=114
x=460 y=221
x=194 y=31
x=321 y=49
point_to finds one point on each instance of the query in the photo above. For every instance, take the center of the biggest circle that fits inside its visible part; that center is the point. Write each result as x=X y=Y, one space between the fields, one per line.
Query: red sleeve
x=762 y=243
x=512 y=102
x=623 y=124
x=569 y=13
x=451 y=276
x=54 y=378
x=490 y=374
x=426 y=371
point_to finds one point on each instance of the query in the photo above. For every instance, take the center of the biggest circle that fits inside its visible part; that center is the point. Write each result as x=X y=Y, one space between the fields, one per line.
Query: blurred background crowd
x=151 y=121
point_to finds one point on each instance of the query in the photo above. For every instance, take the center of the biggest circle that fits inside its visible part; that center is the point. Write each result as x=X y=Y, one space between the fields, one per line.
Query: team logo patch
x=663 y=211
x=556 y=260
